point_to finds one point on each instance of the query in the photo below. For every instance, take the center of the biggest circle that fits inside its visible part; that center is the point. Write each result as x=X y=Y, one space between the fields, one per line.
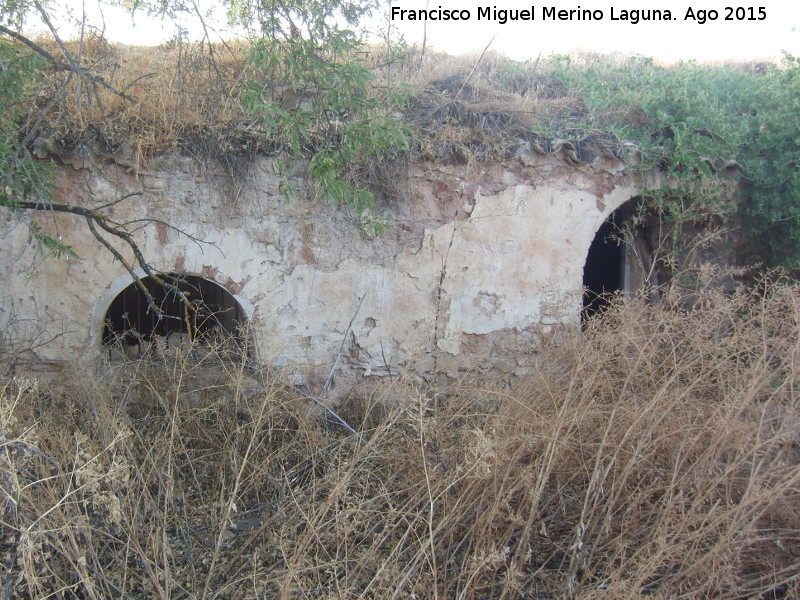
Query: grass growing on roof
x=351 y=109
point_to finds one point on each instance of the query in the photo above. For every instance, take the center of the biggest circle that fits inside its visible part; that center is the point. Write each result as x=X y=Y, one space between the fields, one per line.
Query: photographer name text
x=632 y=16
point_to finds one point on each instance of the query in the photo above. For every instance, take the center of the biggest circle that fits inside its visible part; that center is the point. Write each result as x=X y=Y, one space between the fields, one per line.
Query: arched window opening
x=212 y=320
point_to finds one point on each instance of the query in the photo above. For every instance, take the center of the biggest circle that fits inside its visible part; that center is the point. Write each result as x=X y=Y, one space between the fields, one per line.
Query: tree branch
x=95 y=219
x=32 y=45
x=70 y=65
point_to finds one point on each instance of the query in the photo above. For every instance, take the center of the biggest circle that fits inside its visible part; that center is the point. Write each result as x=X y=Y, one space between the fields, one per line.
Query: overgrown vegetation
x=724 y=136
x=21 y=177
x=704 y=126
x=656 y=454
x=653 y=454
x=317 y=103
x=298 y=49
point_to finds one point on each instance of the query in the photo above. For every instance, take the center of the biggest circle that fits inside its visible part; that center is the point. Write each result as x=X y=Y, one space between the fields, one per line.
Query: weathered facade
x=478 y=265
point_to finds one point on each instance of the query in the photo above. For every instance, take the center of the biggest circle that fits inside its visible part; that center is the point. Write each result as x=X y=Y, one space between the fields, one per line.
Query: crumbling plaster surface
x=479 y=263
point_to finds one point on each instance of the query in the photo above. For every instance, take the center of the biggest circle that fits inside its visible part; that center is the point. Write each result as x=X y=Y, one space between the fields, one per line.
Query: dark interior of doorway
x=602 y=273
x=131 y=321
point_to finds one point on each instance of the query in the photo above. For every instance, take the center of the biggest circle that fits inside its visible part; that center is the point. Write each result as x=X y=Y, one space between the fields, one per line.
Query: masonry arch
x=192 y=311
x=622 y=258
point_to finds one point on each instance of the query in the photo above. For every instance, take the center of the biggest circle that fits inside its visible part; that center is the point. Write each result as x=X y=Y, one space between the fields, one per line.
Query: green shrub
x=22 y=178
x=316 y=103
x=701 y=124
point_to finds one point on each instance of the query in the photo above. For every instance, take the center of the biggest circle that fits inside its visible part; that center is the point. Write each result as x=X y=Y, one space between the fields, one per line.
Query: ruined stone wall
x=479 y=263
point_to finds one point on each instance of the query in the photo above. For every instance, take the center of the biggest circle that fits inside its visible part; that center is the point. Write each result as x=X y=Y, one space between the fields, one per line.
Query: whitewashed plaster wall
x=478 y=265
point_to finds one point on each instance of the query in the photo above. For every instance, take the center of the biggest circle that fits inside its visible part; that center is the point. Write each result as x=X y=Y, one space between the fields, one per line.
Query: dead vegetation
x=157 y=100
x=187 y=98
x=653 y=455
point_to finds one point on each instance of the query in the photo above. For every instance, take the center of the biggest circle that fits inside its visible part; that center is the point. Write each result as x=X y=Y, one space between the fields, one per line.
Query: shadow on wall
x=133 y=329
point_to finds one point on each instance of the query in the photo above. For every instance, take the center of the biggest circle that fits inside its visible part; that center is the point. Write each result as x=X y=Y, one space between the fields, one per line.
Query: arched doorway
x=622 y=258
x=185 y=310
x=603 y=272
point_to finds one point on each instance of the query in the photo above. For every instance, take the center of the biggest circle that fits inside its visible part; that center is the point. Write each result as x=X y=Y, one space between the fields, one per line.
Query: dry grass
x=187 y=98
x=474 y=106
x=168 y=91
x=656 y=454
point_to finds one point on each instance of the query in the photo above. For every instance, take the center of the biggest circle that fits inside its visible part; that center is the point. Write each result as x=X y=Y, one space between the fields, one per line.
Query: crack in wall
x=442 y=312
x=488 y=251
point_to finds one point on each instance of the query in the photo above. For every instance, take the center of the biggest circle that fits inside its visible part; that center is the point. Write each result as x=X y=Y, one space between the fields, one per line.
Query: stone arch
x=620 y=259
x=123 y=320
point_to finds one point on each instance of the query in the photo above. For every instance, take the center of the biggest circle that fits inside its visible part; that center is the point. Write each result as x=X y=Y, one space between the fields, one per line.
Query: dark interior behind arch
x=603 y=270
x=623 y=258
x=215 y=313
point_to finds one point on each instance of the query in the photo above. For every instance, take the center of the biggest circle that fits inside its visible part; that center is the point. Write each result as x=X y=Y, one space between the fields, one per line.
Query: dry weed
x=654 y=454
x=187 y=98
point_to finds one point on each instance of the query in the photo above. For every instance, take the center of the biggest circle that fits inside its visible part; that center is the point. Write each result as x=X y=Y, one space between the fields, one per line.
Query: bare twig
x=386 y=364
x=424 y=39
x=118 y=200
x=318 y=399
x=329 y=381
x=70 y=65
x=454 y=99
x=472 y=72
x=94 y=219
